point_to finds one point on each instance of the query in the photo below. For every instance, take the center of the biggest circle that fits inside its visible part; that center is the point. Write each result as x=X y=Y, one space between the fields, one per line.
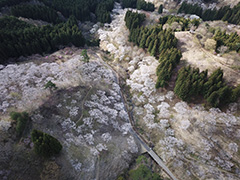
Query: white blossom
x=106 y=137
x=89 y=138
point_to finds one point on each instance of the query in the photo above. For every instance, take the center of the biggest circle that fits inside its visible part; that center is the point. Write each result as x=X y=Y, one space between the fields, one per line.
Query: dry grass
x=197 y=56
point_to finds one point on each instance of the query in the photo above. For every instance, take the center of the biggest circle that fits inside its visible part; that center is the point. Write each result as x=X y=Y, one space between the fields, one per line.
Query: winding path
x=135 y=133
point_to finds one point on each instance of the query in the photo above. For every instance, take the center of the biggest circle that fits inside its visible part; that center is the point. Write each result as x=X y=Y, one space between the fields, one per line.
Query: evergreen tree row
x=103 y=11
x=82 y=9
x=139 y=4
x=21 y=39
x=10 y=2
x=129 y=3
x=146 y=6
x=37 y=12
x=44 y=144
x=169 y=58
x=191 y=83
x=159 y=43
x=160 y=9
x=230 y=40
x=133 y=20
x=232 y=15
x=21 y=121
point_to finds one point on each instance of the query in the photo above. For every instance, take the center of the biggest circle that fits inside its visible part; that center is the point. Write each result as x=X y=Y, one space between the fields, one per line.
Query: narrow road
x=135 y=134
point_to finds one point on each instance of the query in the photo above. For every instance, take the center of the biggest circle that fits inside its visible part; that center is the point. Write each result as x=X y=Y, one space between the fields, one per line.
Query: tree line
x=181 y=20
x=159 y=43
x=103 y=11
x=232 y=15
x=146 y=6
x=82 y=9
x=191 y=83
x=139 y=4
x=22 y=39
x=10 y=2
x=133 y=20
x=231 y=40
x=44 y=144
x=21 y=121
x=37 y=12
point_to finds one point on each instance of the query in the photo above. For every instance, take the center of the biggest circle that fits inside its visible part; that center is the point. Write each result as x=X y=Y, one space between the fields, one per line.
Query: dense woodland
x=147 y=6
x=134 y=20
x=232 y=41
x=82 y=9
x=160 y=9
x=21 y=39
x=159 y=43
x=21 y=120
x=44 y=144
x=37 y=12
x=192 y=83
x=232 y=15
x=139 y=4
x=10 y=2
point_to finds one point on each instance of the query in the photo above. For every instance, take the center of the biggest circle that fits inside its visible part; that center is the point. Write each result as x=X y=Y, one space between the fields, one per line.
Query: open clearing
x=196 y=56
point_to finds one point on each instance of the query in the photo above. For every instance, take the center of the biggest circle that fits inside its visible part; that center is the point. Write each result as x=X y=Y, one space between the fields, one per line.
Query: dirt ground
x=228 y=2
x=197 y=56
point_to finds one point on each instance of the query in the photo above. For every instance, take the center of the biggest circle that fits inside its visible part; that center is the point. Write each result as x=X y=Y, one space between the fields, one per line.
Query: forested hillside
x=232 y=41
x=232 y=15
x=20 y=39
x=36 y=12
x=191 y=83
x=82 y=9
x=139 y=4
x=10 y=2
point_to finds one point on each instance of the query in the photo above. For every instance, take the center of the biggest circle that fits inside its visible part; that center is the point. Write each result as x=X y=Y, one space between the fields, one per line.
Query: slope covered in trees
x=133 y=20
x=160 y=9
x=10 y=2
x=139 y=4
x=147 y=6
x=103 y=11
x=21 y=121
x=44 y=144
x=36 y=12
x=232 y=15
x=159 y=43
x=82 y=9
x=19 y=38
x=230 y=40
x=191 y=83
